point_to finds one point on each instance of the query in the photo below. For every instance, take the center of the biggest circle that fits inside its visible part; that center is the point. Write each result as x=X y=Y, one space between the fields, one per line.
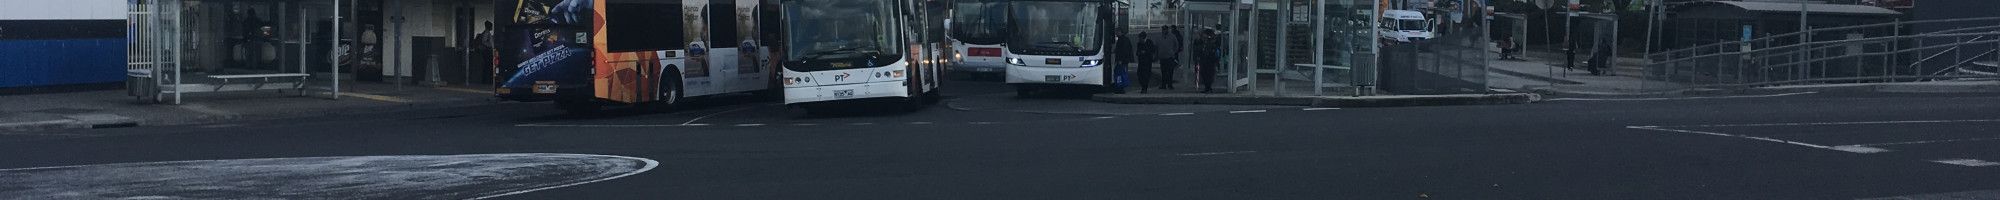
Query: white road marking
x=1929 y=141
x=392 y=176
x=1679 y=98
x=748 y=125
x=861 y=124
x=1319 y=109
x=1859 y=149
x=1104 y=118
x=694 y=124
x=1215 y=153
x=1968 y=162
x=602 y=125
x=1656 y=128
x=691 y=121
x=1982 y=194
x=920 y=123
x=650 y=164
x=1247 y=111
x=1176 y=114
x=221 y=126
x=1841 y=123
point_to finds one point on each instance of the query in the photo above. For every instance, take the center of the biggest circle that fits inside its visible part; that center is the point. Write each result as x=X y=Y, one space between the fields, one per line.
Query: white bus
x=852 y=50
x=586 y=54
x=978 y=30
x=1059 y=43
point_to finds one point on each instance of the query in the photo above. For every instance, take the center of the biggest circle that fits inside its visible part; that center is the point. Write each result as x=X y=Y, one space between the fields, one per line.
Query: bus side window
x=722 y=24
x=631 y=25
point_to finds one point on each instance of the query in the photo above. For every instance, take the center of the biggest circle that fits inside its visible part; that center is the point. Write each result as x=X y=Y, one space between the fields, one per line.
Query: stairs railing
x=1839 y=55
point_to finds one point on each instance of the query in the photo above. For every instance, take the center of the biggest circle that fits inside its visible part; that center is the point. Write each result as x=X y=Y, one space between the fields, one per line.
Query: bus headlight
x=1016 y=62
x=1093 y=63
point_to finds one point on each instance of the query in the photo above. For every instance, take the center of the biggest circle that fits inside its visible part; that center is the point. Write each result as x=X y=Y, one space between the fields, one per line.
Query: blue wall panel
x=29 y=63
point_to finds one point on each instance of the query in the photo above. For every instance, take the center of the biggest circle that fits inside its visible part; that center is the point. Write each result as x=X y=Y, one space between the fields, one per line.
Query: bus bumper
x=1056 y=75
x=992 y=65
x=529 y=94
x=888 y=89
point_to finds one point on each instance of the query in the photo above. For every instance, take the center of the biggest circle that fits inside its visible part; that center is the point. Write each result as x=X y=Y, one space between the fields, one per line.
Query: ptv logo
x=842 y=77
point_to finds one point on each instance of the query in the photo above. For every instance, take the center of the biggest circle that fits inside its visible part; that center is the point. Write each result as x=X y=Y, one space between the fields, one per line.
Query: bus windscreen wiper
x=1060 y=45
x=839 y=51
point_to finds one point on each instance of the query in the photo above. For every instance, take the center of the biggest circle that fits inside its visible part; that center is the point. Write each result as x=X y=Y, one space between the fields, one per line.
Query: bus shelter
x=196 y=46
x=1286 y=47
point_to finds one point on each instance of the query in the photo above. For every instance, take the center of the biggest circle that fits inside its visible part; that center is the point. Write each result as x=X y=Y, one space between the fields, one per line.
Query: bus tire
x=916 y=100
x=671 y=91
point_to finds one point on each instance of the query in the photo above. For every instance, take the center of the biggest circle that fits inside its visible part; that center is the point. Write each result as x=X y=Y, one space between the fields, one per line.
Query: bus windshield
x=1055 y=28
x=839 y=34
x=981 y=22
x=1412 y=25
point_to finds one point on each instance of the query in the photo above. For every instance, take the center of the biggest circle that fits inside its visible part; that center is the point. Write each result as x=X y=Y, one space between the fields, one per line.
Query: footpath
x=113 y=109
x=1301 y=93
x=1541 y=72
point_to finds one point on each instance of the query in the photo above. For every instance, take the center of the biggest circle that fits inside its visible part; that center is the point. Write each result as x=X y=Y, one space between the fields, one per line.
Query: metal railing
x=1849 y=56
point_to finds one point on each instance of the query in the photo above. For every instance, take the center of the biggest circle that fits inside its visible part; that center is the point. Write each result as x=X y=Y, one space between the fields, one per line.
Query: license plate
x=545 y=89
x=843 y=93
x=1053 y=78
x=985 y=69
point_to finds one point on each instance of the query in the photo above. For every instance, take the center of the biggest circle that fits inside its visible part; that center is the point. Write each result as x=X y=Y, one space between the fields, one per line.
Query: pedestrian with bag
x=1124 y=57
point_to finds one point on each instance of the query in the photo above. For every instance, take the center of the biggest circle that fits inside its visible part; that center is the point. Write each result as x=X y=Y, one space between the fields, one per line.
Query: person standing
x=483 y=50
x=1124 y=58
x=1171 y=61
x=1145 y=56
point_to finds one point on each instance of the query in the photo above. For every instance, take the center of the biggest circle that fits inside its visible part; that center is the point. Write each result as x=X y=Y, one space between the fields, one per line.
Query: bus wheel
x=916 y=100
x=671 y=93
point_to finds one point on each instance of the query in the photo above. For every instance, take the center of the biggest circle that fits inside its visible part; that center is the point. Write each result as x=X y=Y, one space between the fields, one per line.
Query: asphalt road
x=984 y=144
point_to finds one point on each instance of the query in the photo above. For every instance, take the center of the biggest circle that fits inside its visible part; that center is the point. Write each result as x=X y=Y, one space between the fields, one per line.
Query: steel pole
x=336 y=49
x=175 y=37
x=1281 y=50
x=398 y=43
x=1319 y=46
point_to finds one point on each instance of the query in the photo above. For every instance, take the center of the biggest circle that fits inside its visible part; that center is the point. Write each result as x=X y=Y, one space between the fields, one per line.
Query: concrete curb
x=81 y=121
x=1931 y=88
x=93 y=121
x=1367 y=101
x=40 y=126
x=1858 y=88
x=206 y=119
x=1428 y=100
x=1538 y=77
x=1548 y=90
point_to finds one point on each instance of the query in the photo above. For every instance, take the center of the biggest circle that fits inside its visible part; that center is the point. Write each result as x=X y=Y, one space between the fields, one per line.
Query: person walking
x=1146 y=58
x=1208 y=57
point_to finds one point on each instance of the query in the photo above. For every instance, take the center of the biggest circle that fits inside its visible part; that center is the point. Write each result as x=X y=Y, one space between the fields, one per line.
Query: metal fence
x=151 y=52
x=1850 y=54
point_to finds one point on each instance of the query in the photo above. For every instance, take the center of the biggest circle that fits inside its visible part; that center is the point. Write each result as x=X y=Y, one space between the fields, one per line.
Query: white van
x=1405 y=26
